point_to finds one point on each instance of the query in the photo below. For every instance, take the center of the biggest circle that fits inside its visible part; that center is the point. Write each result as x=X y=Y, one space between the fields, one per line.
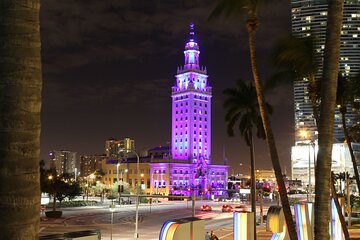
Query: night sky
x=108 y=68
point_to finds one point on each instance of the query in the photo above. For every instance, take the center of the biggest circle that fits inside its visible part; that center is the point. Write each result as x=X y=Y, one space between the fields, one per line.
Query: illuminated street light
x=305 y=135
x=136 y=234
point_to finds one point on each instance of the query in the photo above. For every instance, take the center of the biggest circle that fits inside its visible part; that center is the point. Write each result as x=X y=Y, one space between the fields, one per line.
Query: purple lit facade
x=189 y=170
x=191 y=109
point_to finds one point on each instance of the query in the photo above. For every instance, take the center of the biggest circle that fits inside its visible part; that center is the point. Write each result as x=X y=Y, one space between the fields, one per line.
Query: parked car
x=205 y=208
x=226 y=208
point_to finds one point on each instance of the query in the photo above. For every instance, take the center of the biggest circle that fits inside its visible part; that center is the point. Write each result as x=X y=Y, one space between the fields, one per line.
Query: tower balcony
x=206 y=90
x=192 y=68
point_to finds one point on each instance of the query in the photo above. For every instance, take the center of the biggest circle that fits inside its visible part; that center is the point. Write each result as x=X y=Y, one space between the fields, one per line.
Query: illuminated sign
x=336 y=229
x=276 y=223
x=304 y=217
x=184 y=228
x=243 y=226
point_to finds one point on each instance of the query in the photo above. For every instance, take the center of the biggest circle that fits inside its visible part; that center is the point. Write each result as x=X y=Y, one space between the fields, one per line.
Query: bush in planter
x=53 y=214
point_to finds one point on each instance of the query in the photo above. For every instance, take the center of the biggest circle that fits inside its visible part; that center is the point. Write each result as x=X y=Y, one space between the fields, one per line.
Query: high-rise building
x=90 y=163
x=115 y=148
x=191 y=108
x=309 y=18
x=63 y=161
x=300 y=155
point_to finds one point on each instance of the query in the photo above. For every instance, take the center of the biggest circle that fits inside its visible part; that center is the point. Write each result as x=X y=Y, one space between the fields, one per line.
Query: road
x=85 y=218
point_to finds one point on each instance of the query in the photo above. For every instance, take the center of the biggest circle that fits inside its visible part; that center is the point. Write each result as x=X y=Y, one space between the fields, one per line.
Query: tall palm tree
x=345 y=95
x=326 y=121
x=297 y=59
x=249 y=8
x=20 y=103
x=354 y=132
x=243 y=109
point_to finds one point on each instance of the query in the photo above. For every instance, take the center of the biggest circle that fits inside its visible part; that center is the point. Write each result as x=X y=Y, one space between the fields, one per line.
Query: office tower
x=63 y=161
x=116 y=149
x=90 y=163
x=309 y=18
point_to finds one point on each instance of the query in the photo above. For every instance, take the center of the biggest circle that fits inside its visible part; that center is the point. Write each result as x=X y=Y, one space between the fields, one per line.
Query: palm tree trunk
x=338 y=209
x=326 y=123
x=252 y=25
x=20 y=103
x=348 y=141
x=253 y=180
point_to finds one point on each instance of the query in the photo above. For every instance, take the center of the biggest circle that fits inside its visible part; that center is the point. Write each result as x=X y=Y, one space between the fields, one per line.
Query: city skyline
x=104 y=76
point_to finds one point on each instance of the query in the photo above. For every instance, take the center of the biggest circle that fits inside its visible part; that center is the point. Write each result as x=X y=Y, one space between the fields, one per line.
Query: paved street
x=85 y=218
x=76 y=219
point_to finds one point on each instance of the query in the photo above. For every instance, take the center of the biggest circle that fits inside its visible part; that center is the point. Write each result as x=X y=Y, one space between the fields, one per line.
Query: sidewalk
x=227 y=234
x=262 y=234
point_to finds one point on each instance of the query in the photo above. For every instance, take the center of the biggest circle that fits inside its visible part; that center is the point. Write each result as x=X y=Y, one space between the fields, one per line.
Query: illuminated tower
x=191 y=108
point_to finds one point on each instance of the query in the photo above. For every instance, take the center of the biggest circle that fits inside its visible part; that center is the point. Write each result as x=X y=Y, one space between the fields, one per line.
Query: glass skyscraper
x=309 y=18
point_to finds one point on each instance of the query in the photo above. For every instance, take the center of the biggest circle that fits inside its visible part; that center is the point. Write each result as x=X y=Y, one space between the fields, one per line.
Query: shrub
x=53 y=214
x=80 y=203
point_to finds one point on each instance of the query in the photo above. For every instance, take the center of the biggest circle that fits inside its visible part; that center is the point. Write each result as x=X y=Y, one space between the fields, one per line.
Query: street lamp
x=91 y=176
x=121 y=184
x=305 y=135
x=136 y=234
x=112 y=210
x=117 y=180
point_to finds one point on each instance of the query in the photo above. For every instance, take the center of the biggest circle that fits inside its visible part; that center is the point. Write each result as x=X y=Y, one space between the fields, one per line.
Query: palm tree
x=354 y=132
x=243 y=108
x=297 y=59
x=326 y=121
x=250 y=9
x=20 y=103
x=338 y=207
x=345 y=95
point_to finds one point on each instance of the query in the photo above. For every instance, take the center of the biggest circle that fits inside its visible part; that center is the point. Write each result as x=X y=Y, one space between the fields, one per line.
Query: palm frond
x=242 y=107
x=296 y=54
x=280 y=78
x=229 y=8
x=231 y=124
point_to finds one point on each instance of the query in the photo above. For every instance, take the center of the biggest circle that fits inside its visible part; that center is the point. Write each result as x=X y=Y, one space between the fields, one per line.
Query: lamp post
x=112 y=210
x=121 y=185
x=136 y=234
x=305 y=135
x=117 y=180
x=91 y=176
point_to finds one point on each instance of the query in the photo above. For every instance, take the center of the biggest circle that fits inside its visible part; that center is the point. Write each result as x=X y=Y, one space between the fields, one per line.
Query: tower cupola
x=191 y=51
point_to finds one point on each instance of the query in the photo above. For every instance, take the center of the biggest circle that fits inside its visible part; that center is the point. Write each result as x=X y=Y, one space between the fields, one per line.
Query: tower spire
x=191 y=51
x=192 y=32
